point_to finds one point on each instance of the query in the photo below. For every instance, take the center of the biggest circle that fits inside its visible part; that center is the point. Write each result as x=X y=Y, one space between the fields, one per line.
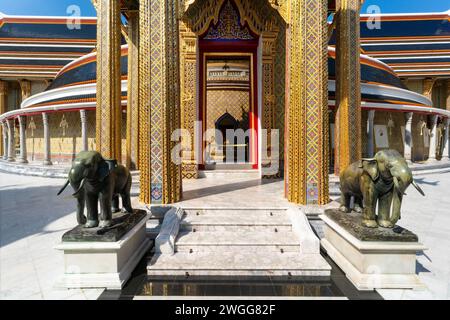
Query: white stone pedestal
x=372 y=265
x=103 y=264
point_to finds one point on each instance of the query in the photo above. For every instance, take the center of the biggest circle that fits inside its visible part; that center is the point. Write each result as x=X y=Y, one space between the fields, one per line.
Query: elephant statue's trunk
x=397 y=187
x=79 y=188
x=63 y=187
x=396 y=207
x=418 y=188
x=397 y=197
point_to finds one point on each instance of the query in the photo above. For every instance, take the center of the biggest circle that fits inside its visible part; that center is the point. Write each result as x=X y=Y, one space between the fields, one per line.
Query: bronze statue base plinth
x=352 y=222
x=95 y=261
x=371 y=258
x=122 y=223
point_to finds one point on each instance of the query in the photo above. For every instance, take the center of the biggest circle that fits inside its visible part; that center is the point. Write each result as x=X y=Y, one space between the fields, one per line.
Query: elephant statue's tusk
x=79 y=188
x=418 y=188
x=63 y=187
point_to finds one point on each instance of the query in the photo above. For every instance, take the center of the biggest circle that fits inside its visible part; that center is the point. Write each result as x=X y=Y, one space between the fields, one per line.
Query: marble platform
x=377 y=259
x=103 y=264
x=240 y=242
x=35 y=168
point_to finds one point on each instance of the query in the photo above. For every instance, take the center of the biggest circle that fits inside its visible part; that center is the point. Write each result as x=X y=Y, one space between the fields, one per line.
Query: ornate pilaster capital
x=83 y=116
x=428 y=85
x=188 y=45
x=45 y=119
x=269 y=43
x=3 y=87
x=25 y=87
x=409 y=116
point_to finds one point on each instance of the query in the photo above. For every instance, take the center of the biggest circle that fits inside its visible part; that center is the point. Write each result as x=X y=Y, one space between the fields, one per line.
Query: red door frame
x=237 y=47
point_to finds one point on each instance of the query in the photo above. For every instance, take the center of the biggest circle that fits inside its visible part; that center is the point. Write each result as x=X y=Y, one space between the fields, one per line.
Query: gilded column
x=3 y=96
x=133 y=90
x=446 y=151
x=188 y=77
x=268 y=90
x=307 y=110
x=348 y=82
x=433 y=137
x=5 y=140
x=84 y=137
x=47 y=147
x=408 y=143
x=370 y=134
x=11 y=140
x=109 y=109
x=23 y=139
x=159 y=101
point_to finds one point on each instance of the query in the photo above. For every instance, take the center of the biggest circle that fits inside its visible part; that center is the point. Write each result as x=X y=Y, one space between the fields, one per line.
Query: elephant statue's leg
x=105 y=206
x=81 y=218
x=92 y=210
x=115 y=204
x=126 y=196
x=126 y=202
x=384 y=210
x=345 y=202
x=358 y=204
x=369 y=202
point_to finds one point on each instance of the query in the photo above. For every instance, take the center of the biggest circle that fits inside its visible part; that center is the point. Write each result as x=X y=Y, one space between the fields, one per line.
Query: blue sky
x=59 y=7
x=45 y=7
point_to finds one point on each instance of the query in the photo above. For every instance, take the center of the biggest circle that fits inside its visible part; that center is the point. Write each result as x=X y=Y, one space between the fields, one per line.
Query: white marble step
x=230 y=174
x=238 y=212
x=230 y=222
x=238 y=263
x=250 y=241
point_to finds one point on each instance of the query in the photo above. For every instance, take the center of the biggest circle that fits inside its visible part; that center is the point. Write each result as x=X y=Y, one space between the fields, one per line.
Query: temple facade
x=311 y=85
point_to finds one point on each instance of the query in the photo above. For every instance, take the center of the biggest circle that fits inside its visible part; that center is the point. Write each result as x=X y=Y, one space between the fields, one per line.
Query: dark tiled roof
x=40 y=46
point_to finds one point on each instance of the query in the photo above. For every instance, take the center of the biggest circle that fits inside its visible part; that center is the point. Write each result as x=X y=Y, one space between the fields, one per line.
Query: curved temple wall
x=65 y=136
x=66 y=140
x=74 y=89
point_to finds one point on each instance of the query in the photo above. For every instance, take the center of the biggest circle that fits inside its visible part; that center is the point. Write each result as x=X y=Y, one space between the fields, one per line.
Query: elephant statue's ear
x=371 y=167
x=103 y=170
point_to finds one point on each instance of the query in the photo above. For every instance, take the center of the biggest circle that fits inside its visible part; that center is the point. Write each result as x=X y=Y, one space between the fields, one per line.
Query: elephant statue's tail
x=64 y=187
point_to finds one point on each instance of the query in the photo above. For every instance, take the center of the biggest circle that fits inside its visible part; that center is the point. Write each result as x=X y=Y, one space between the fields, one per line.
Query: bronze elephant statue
x=95 y=179
x=383 y=180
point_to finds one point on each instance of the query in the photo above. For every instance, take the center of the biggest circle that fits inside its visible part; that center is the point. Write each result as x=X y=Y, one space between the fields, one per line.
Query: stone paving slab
x=32 y=220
